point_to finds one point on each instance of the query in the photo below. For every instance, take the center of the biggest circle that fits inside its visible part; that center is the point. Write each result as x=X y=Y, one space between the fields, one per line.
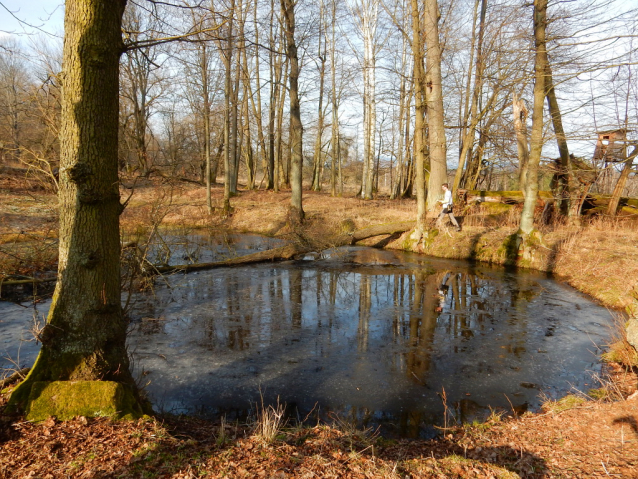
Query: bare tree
x=202 y=85
x=317 y=170
x=434 y=97
x=142 y=85
x=296 y=129
x=530 y=188
x=367 y=14
x=419 y=90
x=14 y=98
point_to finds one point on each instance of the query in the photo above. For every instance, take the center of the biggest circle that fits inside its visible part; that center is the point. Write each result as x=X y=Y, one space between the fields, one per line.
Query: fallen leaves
x=576 y=443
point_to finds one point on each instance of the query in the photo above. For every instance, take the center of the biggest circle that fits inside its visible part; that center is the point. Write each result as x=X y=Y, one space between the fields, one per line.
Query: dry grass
x=619 y=350
x=268 y=421
x=600 y=259
x=594 y=440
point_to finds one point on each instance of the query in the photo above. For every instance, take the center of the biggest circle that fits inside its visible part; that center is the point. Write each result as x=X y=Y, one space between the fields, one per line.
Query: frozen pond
x=368 y=335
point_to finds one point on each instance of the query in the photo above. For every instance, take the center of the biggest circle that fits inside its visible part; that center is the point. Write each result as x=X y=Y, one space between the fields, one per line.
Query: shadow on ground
x=323 y=452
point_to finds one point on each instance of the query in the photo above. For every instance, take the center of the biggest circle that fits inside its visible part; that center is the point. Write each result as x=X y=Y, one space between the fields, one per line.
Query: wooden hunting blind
x=611 y=146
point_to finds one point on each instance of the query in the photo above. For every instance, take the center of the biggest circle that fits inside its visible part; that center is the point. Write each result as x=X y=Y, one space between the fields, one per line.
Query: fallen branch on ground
x=21 y=374
x=15 y=282
x=292 y=250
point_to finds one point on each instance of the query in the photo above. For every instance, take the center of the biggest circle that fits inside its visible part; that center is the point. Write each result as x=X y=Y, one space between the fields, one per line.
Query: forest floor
x=580 y=436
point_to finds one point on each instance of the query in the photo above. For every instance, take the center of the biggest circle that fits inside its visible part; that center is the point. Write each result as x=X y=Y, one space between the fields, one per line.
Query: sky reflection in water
x=371 y=336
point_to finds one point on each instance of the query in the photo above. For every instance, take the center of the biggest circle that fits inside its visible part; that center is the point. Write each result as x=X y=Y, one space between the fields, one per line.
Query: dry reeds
x=269 y=420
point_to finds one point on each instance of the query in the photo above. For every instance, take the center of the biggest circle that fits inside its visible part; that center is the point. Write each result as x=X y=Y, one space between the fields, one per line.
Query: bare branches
x=25 y=23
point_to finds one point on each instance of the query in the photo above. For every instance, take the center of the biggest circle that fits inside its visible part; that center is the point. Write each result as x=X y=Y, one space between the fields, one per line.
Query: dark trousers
x=447 y=210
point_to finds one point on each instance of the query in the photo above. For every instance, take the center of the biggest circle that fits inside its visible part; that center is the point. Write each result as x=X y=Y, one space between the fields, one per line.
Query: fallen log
x=290 y=251
x=15 y=282
x=603 y=200
x=506 y=197
x=372 y=231
x=276 y=254
x=16 y=376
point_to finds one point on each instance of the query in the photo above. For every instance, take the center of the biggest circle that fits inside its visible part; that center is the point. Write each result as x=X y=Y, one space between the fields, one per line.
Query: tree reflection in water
x=365 y=334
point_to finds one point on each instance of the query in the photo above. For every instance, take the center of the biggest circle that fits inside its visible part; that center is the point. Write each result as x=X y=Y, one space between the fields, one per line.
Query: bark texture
x=530 y=188
x=622 y=181
x=434 y=96
x=420 y=111
x=85 y=334
x=296 y=130
x=520 y=127
x=561 y=140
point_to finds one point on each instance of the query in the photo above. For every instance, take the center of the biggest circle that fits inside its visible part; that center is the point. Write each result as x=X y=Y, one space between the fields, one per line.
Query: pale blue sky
x=46 y=15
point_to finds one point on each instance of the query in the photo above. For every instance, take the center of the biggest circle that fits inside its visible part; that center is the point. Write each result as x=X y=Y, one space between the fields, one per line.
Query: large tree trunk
x=418 y=86
x=434 y=96
x=296 y=150
x=85 y=334
x=530 y=188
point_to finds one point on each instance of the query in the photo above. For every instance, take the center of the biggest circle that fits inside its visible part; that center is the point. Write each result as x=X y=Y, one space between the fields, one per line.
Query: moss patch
x=68 y=399
x=494 y=208
x=568 y=402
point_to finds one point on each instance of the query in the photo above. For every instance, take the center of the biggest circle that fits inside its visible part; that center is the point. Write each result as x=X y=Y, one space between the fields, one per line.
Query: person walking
x=447 y=207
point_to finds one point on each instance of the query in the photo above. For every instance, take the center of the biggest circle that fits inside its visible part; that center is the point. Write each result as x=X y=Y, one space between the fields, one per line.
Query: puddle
x=371 y=336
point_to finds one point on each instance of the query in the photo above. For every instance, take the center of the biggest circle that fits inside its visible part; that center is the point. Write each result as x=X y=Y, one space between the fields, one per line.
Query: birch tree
x=366 y=13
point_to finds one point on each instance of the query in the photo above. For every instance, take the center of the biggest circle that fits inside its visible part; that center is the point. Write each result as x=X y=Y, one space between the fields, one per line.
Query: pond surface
x=370 y=336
